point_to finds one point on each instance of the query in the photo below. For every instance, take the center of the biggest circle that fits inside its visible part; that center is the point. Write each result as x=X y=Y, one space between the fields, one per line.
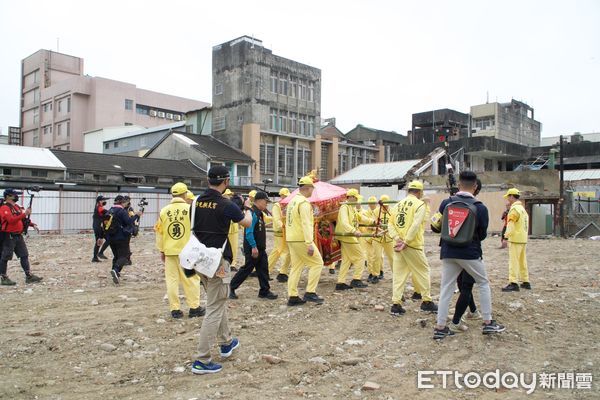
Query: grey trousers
x=451 y=268
x=215 y=326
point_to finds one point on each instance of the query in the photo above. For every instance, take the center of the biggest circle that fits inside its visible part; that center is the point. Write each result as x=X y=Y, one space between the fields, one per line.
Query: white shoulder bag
x=195 y=255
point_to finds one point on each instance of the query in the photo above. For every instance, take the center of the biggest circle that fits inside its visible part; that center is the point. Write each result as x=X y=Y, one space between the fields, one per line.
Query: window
x=142 y=110
x=116 y=144
x=302 y=89
x=106 y=146
x=39 y=173
x=243 y=170
x=59 y=106
x=311 y=126
x=273 y=119
x=293 y=127
x=304 y=161
x=143 y=141
x=302 y=124
x=324 y=161
x=36 y=116
x=311 y=91
x=68 y=128
x=484 y=123
x=128 y=124
x=47 y=107
x=283 y=84
x=241 y=118
x=189 y=128
x=36 y=95
x=281 y=161
x=282 y=121
x=58 y=129
x=68 y=104
x=293 y=87
x=218 y=88
x=100 y=177
x=274 y=81
x=128 y=104
x=219 y=124
x=267 y=158
x=48 y=129
x=124 y=143
x=342 y=162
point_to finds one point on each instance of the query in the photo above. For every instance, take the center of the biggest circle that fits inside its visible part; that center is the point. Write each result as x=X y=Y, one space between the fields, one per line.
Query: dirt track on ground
x=78 y=336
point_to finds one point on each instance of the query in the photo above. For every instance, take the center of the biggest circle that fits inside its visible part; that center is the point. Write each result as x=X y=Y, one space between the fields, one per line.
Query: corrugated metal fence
x=71 y=211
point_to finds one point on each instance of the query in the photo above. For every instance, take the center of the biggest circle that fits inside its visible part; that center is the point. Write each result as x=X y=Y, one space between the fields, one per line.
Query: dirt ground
x=78 y=336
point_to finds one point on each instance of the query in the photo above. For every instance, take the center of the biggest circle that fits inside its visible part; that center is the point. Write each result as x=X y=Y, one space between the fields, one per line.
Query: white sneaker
x=458 y=328
x=470 y=315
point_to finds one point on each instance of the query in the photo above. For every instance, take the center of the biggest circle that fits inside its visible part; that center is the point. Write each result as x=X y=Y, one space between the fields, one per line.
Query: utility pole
x=562 y=189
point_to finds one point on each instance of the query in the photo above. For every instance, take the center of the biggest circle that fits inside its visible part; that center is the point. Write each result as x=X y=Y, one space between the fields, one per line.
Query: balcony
x=241 y=181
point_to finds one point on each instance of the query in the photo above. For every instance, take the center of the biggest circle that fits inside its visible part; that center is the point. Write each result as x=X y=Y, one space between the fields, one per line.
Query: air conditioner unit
x=153 y=113
x=169 y=116
x=177 y=117
x=161 y=114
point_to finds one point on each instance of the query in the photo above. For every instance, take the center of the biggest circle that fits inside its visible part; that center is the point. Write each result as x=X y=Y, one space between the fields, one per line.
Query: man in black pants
x=255 y=244
x=118 y=236
x=98 y=217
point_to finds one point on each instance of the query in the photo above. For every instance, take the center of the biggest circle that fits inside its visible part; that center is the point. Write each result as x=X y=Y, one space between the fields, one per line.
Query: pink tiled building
x=59 y=102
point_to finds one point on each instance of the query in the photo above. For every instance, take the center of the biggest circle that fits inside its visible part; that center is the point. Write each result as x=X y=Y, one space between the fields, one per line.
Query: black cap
x=218 y=173
x=12 y=192
x=261 y=196
x=101 y=198
x=119 y=198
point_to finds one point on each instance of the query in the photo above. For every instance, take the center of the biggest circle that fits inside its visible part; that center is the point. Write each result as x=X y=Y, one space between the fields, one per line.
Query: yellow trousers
x=517 y=263
x=406 y=262
x=369 y=252
x=173 y=277
x=352 y=254
x=381 y=249
x=234 y=241
x=280 y=249
x=300 y=258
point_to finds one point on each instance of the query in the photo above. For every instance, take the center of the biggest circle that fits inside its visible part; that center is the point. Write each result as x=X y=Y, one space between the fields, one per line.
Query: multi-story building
x=59 y=102
x=512 y=122
x=387 y=143
x=268 y=106
x=430 y=126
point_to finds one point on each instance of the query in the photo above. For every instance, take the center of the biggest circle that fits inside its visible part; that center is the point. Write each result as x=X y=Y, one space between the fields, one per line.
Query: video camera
x=238 y=200
x=143 y=203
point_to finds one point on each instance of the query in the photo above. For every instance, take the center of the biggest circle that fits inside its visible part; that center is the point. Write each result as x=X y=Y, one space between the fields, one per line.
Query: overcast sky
x=381 y=61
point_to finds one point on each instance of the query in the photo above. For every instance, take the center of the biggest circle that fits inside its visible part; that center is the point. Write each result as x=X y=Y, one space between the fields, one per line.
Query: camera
x=142 y=202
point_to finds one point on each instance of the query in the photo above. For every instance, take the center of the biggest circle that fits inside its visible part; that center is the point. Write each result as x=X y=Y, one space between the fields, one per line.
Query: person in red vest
x=12 y=218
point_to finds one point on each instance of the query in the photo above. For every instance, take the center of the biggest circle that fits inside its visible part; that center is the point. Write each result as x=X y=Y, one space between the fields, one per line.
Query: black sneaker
x=331 y=271
x=115 y=276
x=416 y=296
x=313 y=298
x=439 y=334
x=357 y=283
x=6 y=281
x=295 y=301
x=342 y=286
x=375 y=280
x=511 y=287
x=268 y=296
x=31 y=278
x=102 y=256
x=176 y=314
x=232 y=295
x=526 y=285
x=197 y=312
x=95 y=259
x=380 y=275
x=233 y=269
x=281 y=278
x=492 y=327
x=128 y=262
x=429 y=306
x=397 y=310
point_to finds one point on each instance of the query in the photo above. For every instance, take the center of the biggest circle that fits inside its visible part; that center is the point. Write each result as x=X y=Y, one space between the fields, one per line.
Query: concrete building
x=137 y=143
x=59 y=102
x=387 y=142
x=576 y=137
x=268 y=106
x=429 y=126
x=512 y=122
x=93 y=141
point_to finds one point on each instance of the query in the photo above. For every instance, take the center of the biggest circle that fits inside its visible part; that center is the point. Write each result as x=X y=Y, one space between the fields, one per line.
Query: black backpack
x=459 y=221
x=111 y=224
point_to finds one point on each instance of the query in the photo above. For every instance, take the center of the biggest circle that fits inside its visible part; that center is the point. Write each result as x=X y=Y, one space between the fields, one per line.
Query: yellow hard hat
x=252 y=193
x=306 y=181
x=190 y=196
x=227 y=192
x=372 y=200
x=359 y=197
x=284 y=192
x=352 y=193
x=384 y=197
x=178 y=189
x=417 y=185
x=512 y=191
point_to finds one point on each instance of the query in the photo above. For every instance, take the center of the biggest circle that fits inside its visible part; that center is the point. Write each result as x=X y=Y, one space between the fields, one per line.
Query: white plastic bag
x=195 y=255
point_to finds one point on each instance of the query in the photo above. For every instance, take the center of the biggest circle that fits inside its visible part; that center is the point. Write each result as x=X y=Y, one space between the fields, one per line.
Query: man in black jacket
x=119 y=235
x=255 y=251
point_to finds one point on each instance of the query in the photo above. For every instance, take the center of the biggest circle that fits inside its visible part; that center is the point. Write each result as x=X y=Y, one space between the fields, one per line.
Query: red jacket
x=12 y=218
